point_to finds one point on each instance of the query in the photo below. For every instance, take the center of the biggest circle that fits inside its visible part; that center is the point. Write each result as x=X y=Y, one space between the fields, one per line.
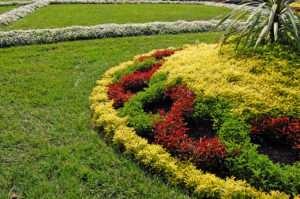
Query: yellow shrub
x=213 y=75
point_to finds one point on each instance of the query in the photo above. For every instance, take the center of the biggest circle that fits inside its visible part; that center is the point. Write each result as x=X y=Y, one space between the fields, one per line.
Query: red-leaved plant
x=170 y=131
x=284 y=130
x=128 y=85
x=159 y=54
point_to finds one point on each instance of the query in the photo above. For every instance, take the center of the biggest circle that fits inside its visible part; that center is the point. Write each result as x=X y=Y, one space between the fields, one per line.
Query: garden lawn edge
x=156 y=158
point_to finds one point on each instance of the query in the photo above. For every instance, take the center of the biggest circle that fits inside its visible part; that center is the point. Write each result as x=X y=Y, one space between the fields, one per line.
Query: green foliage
x=235 y=130
x=133 y=109
x=157 y=77
x=259 y=171
x=279 y=25
x=256 y=168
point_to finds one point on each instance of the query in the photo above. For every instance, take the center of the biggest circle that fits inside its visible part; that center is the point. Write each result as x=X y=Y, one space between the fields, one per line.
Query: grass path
x=4 y=9
x=48 y=148
x=56 y=16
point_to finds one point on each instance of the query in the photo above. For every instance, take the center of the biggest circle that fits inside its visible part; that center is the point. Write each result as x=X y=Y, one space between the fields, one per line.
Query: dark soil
x=163 y=103
x=200 y=128
x=277 y=153
x=136 y=88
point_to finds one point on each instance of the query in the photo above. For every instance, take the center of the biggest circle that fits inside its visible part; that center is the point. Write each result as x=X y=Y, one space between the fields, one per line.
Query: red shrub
x=117 y=93
x=286 y=130
x=128 y=85
x=170 y=132
x=122 y=91
x=159 y=54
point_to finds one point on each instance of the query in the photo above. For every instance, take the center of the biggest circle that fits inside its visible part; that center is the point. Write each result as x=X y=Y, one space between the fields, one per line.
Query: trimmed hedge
x=45 y=36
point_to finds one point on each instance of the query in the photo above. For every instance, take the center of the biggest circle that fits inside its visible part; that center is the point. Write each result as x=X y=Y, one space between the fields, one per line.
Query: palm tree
x=272 y=21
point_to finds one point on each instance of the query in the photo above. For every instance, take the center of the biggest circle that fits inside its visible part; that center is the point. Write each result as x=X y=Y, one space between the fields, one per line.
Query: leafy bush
x=122 y=91
x=133 y=109
x=256 y=168
x=283 y=130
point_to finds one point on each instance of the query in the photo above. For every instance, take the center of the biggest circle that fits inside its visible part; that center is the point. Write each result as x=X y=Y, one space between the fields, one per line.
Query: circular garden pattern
x=223 y=126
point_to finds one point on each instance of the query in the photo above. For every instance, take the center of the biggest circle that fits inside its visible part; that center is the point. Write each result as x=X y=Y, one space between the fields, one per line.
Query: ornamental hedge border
x=118 y=131
x=46 y=36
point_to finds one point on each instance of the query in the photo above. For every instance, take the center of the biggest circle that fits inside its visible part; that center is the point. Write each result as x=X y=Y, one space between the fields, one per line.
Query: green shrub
x=256 y=168
x=133 y=109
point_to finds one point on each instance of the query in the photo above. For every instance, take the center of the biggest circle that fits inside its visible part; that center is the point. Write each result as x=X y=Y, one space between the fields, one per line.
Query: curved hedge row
x=43 y=36
x=156 y=157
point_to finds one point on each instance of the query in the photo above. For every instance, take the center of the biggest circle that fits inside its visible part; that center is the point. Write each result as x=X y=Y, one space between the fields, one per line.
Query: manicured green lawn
x=48 y=148
x=56 y=16
x=4 y=9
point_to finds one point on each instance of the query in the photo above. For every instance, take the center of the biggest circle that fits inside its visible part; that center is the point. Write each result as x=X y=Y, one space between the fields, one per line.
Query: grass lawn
x=56 y=16
x=48 y=148
x=4 y=9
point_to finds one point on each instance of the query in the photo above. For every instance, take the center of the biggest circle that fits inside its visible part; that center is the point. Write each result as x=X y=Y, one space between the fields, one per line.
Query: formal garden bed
x=214 y=121
x=219 y=91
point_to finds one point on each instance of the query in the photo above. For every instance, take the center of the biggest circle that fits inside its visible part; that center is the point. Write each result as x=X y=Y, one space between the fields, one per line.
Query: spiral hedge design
x=200 y=84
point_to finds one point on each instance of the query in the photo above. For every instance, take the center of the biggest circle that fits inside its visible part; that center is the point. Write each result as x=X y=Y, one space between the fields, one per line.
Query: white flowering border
x=15 y=3
x=17 y=13
x=45 y=36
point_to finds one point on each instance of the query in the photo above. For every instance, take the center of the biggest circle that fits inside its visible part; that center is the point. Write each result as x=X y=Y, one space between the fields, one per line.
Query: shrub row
x=45 y=36
x=155 y=156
